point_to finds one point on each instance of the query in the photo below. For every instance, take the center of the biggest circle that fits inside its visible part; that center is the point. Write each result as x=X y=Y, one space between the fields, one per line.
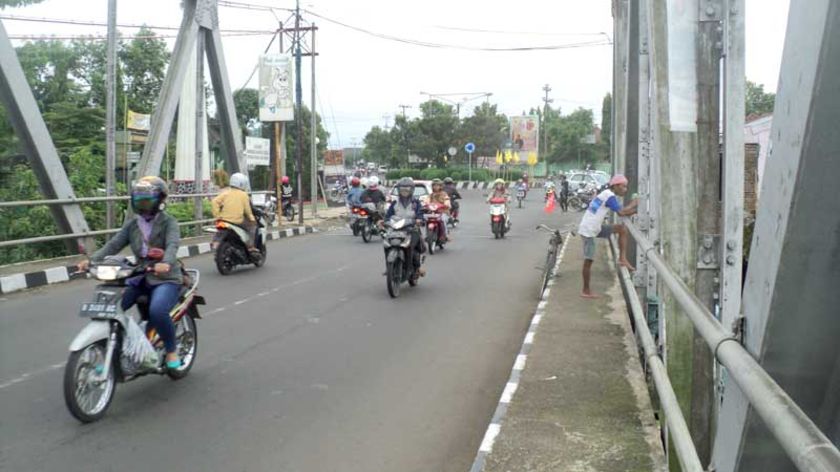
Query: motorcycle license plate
x=98 y=310
x=520 y=194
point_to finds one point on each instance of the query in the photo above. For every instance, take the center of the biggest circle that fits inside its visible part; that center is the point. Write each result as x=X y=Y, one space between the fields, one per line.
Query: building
x=757 y=130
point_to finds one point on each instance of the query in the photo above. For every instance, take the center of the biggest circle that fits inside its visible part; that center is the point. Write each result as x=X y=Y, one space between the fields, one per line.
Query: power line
x=456 y=46
x=47 y=37
x=532 y=33
x=61 y=21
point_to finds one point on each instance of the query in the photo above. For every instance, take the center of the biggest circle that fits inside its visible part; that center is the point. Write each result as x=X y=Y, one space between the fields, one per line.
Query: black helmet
x=407 y=184
x=148 y=194
x=448 y=180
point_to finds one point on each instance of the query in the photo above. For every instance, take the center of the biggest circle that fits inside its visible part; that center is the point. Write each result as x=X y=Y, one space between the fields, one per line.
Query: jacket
x=354 y=196
x=414 y=210
x=165 y=235
x=233 y=206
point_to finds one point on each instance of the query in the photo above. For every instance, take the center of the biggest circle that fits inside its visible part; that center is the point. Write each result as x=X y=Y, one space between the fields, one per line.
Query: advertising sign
x=525 y=133
x=138 y=121
x=277 y=80
x=334 y=162
x=257 y=151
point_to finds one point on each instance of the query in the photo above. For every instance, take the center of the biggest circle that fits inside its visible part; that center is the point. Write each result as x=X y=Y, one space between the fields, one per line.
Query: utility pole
x=111 y=112
x=198 y=183
x=313 y=132
x=279 y=149
x=298 y=118
x=403 y=109
x=547 y=100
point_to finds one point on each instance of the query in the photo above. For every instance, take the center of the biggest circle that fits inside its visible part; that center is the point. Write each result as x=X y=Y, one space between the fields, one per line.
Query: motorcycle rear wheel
x=263 y=256
x=367 y=232
x=224 y=264
x=186 y=338
x=393 y=276
x=496 y=226
x=289 y=212
x=83 y=363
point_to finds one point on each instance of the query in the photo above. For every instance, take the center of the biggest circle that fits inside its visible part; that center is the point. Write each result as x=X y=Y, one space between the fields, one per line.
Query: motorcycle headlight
x=110 y=272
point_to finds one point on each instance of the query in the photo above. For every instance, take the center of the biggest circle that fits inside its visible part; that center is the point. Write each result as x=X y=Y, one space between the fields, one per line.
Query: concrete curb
x=53 y=275
x=512 y=384
x=465 y=185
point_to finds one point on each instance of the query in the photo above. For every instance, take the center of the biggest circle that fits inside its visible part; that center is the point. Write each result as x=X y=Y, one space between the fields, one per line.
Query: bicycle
x=551 y=258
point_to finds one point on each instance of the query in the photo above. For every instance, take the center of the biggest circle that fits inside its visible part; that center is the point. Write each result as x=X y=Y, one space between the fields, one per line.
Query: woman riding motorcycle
x=500 y=191
x=150 y=228
x=409 y=208
x=454 y=196
x=234 y=206
x=354 y=195
x=441 y=197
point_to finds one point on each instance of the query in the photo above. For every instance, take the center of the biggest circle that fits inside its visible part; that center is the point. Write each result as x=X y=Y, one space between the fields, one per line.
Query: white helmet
x=365 y=182
x=373 y=182
x=240 y=181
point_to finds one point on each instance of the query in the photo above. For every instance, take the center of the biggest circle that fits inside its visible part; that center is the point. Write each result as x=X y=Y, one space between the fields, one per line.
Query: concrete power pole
x=403 y=107
x=313 y=132
x=298 y=118
x=111 y=112
x=544 y=130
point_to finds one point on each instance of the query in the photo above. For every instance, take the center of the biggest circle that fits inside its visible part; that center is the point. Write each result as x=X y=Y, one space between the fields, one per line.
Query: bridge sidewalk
x=581 y=402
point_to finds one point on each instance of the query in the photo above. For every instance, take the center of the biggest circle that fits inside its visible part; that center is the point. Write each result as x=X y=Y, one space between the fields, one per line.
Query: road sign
x=257 y=151
x=470 y=148
x=453 y=151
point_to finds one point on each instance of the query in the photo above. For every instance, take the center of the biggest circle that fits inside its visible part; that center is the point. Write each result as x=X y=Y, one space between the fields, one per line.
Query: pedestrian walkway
x=582 y=403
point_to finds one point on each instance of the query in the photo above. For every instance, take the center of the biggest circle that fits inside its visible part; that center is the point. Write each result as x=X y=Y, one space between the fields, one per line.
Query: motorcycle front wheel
x=393 y=275
x=224 y=258
x=186 y=339
x=431 y=241
x=367 y=232
x=86 y=397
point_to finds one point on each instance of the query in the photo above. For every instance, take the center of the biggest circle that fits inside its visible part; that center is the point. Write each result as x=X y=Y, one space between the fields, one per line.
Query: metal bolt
x=730 y=260
x=707 y=259
x=730 y=245
x=710 y=10
x=717 y=280
x=707 y=242
x=715 y=296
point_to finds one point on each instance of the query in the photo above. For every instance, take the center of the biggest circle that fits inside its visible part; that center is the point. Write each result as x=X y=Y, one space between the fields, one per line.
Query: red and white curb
x=54 y=275
x=512 y=385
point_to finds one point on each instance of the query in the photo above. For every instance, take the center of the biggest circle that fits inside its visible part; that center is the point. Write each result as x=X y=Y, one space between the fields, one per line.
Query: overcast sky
x=363 y=79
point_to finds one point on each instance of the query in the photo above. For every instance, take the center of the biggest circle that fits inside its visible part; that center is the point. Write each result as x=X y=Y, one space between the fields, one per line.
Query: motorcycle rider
x=440 y=197
x=234 y=206
x=150 y=228
x=526 y=181
x=500 y=191
x=454 y=196
x=373 y=194
x=521 y=185
x=354 y=195
x=285 y=193
x=410 y=208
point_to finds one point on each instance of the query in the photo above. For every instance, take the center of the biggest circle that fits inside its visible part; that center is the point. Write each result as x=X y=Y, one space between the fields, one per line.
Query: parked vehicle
x=580 y=198
x=115 y=347
x=399 y=260
x=435 y=237
x=499 y=223
x=267 y=204
x=231 y=244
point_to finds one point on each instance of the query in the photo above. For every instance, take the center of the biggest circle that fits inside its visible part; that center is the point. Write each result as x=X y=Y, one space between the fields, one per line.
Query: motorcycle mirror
x=155 y=254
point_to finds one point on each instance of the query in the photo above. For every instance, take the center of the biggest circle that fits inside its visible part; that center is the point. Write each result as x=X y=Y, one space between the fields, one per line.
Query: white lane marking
x=29 y=375
x=520 y=362
x=239 y=302
x=490 y=437
x=529 y=338
x=507 y=394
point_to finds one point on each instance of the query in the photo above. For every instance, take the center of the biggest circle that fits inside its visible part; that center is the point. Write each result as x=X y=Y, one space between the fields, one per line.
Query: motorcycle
x=267 y=205
x=399 y=266
x=289 y=210
x=520 y=195
x=369 y=216
x=582 y=197
x=231 y=244
x=337 y=192
x=105 y=352
x=355 y=221
x=435 y=238
x=499 y=223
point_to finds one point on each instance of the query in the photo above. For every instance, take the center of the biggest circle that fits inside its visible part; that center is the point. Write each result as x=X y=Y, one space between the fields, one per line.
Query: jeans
x=162 y=298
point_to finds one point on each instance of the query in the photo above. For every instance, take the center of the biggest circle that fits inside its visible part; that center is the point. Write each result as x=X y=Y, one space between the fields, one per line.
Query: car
x=383 y=169
x=578 y=179
x=422 y=190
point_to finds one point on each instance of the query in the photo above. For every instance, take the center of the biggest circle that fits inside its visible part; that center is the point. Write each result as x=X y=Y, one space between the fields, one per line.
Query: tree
x=606 y=120
x=378 y=146
x=435 y=131
x=758 y=101
x=247 y=106
x=486 y=128
x=568 y=133
x=144 y=60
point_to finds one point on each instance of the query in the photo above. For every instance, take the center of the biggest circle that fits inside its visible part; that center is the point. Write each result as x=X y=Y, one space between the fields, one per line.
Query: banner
x=277 y=80
x=524 y=133
x=257 y=151
x=138 y=121
x=334 y=157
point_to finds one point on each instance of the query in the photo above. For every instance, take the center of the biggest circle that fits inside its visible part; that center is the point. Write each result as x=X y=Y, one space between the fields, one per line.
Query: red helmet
x=355 y=182
x=285 y=180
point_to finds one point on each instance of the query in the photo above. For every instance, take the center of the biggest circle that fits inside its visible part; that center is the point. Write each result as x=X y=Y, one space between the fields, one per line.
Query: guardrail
x=807 y=446
x=71 y=201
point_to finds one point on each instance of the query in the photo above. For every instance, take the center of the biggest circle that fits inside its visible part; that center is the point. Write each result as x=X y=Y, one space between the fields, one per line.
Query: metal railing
x=807 y=446
x=71 y=201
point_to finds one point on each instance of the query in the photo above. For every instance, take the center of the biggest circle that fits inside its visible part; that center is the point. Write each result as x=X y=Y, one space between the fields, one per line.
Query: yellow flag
x=532 y=158
x=516 y=158
x=508 y=156
x=498 y=157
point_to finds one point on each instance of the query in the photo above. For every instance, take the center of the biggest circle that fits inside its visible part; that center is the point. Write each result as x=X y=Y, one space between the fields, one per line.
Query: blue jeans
x=161 y=300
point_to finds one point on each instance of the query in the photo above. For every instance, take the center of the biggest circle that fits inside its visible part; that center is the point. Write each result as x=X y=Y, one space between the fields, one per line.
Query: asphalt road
x=305 y=364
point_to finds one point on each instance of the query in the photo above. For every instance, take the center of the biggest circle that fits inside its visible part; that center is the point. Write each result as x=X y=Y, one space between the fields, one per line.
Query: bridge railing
x=72 y=201
x=804 y=443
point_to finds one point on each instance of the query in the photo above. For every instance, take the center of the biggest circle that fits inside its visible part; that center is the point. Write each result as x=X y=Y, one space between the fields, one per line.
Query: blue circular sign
x=470 y=148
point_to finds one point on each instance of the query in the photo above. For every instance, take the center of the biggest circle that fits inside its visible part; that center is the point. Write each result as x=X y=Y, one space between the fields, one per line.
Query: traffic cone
x=549 y=205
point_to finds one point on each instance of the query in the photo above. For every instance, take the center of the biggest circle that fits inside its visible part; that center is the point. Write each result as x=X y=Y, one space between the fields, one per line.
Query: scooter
x=499 y=224
x=399 y=263
x=369 y=216
x=520 y=195
x=100 y=355
x=231 y=244
x=435 y=237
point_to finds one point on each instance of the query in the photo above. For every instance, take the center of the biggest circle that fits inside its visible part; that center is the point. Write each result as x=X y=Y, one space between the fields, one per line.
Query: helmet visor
x=143 y=202
x=405 y=192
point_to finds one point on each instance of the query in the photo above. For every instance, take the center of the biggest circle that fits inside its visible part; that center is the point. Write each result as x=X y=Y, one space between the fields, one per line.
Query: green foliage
x=247 y=106
x=757 y=100
x=378 y=146
x=606 y=120
x=144 y=63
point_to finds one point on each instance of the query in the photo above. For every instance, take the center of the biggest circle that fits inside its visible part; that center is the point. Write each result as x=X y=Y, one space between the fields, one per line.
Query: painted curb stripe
x=53 y=275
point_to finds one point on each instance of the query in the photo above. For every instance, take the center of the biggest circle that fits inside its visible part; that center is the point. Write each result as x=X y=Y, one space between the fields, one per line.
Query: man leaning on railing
x=592 y=226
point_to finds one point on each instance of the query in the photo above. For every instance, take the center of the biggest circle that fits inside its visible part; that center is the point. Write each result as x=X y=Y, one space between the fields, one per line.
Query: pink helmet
x=618 y=179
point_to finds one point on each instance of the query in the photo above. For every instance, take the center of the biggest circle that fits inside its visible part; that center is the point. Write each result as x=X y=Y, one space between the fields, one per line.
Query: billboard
x=524 y=133
x=257 y=151
x=334 y=157
x=277 y=80
x=138 y=121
